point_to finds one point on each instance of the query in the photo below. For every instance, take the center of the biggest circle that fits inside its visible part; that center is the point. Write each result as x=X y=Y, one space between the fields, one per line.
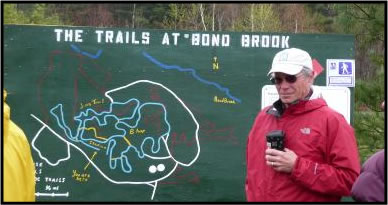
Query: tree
x=367 y=23
x=220 y=15
x=152 y=14
x=368 y=117
x=231 y=14
x=184 y=16
x=41 y=15
x=202 y=16
x=265 y=18
x=258 y=17
x=319 y=18
x=36 y=14
x=12 y=15
x=174 y=17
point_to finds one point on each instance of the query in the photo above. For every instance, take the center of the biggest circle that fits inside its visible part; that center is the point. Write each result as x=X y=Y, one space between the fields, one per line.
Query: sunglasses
x=288 y=78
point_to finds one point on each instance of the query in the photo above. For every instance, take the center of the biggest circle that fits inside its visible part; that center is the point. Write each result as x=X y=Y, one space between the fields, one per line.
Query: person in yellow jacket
x=19 y=169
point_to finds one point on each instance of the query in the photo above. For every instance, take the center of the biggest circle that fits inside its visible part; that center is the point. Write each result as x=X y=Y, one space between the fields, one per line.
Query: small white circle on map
x=161 y=167
x=152 y=169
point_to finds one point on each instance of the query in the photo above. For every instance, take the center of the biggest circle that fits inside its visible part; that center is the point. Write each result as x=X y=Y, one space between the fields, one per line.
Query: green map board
x=114 y=114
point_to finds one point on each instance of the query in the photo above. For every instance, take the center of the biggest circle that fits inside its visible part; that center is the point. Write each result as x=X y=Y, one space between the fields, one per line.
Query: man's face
x=291 y=88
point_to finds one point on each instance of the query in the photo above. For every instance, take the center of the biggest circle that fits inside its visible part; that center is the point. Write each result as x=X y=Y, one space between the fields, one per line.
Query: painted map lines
x=193 y=73
x=73 y=141
x=44 y=125
x=77 y=50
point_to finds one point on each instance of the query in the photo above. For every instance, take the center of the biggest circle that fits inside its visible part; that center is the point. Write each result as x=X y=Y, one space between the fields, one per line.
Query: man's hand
x=281 y=161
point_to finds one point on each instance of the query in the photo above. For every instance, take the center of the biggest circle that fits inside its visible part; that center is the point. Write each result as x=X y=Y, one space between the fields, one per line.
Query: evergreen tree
x=368 y=116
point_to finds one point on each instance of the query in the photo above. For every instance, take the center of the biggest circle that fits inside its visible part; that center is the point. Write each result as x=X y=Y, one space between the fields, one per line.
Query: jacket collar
x=313 y=101
x=276 y=109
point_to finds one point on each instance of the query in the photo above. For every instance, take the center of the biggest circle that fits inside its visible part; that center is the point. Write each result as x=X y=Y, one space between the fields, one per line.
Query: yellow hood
x=6 y=115
x=19 y=169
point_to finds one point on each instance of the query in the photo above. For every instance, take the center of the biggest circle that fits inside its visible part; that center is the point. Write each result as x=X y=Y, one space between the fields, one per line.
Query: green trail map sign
x=121 y=115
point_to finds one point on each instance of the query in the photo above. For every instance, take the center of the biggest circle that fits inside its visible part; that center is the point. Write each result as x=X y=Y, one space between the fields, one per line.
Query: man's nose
x=284 y=84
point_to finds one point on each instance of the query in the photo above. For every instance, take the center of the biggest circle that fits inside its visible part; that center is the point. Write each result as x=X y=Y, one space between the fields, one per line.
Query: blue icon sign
x=333 y=66
x=345 y=68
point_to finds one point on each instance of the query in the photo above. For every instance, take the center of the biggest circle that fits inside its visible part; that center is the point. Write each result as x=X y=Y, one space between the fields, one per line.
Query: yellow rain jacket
x=19 y=169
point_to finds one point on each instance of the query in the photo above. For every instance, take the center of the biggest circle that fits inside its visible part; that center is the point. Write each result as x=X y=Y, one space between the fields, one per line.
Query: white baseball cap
x=291 y=61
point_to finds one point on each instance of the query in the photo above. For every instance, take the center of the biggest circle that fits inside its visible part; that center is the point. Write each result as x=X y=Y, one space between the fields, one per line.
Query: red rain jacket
x=327 y=163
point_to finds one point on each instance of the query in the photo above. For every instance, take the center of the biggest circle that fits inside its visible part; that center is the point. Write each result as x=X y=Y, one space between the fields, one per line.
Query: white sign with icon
x=340 y=72
x=338 y=98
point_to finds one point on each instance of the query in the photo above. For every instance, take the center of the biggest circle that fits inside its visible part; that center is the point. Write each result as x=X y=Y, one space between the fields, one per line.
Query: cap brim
x=289 y=69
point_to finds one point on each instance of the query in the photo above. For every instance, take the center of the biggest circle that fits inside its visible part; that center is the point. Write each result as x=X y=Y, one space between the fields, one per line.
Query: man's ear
x=314 y=74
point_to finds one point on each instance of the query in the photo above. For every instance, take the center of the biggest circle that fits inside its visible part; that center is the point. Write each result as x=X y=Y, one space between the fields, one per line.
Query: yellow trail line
x=94 y=154
x=129 y=143
x=104 y=138
x=95 y=132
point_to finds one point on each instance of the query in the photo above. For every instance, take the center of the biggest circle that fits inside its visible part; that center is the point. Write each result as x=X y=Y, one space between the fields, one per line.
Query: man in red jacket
x=320 y=160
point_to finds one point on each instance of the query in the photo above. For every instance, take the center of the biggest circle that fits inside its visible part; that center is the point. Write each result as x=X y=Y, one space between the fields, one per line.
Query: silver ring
x=272 y=163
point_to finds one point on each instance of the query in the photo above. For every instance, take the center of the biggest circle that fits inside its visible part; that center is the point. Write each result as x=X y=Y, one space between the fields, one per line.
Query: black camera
x=275 y=140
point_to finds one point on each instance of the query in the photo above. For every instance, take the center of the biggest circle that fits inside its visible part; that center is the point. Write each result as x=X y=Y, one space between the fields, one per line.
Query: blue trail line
x=193 y=73
x=77 y=50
